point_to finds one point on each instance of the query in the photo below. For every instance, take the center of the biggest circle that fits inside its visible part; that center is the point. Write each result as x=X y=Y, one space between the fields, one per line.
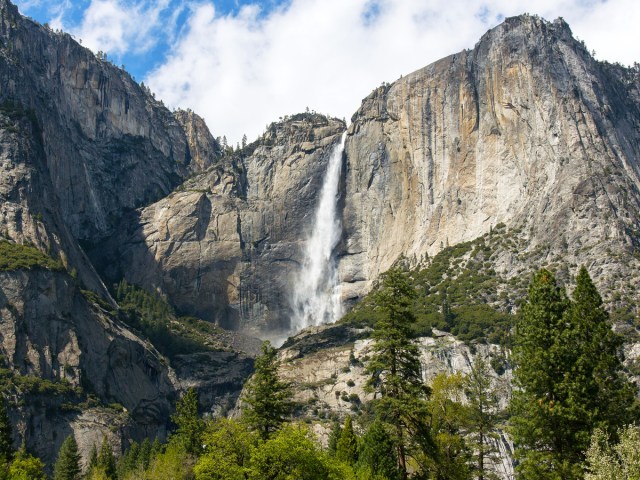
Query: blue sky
x=242 y=64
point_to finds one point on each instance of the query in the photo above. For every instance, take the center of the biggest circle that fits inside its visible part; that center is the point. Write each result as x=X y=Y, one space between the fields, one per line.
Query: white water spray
x=316 y=293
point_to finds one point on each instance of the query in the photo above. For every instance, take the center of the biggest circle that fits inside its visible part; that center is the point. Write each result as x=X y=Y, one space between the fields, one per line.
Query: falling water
x=316 y=295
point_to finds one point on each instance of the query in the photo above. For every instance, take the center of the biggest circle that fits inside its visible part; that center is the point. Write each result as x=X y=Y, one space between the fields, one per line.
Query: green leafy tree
x=26 y=467
x=67 y=466
x=394 y=368
x=448 y=416
x=228 y=447
x=378 y=452
x=189 y=425
x=347 y=447
x=267 y=398
x=620 y=461
x=569 y=378
x=175 y=463
x=482 y=414
x=290 y=454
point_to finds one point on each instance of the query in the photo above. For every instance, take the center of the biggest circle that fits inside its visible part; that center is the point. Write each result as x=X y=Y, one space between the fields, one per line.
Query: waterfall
x=316 y=293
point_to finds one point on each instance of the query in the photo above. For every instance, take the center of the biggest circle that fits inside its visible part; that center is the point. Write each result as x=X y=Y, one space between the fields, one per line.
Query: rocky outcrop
x=108 y=144
x=526 y=129
x=225 y=245
x=204 y=150
x=329 y=380
x=50 y=331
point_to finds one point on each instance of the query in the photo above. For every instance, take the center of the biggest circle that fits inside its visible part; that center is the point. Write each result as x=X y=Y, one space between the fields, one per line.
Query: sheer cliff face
x=225 y=245
x=525 y=129
x=109 y=146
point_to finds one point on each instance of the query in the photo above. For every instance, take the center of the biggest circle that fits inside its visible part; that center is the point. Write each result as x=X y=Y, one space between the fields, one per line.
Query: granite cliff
x=525 y=130
x=526 y=135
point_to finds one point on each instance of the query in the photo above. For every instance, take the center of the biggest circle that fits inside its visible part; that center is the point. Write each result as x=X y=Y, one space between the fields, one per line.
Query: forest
x=572 y=413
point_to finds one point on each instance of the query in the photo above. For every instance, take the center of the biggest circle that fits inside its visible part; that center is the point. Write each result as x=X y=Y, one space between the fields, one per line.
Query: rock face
x=525 y=129
x=49 y=330
x=80 y=145
x=204 y=150
x=225 y=245
x=326 y=367
x=109 y=146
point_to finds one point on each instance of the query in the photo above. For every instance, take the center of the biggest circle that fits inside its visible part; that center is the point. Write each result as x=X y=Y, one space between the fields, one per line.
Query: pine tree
x=144 y=455
x=394 y=368
x=482 y=408
x=267 y=397
x=347 y=447
x=569 y=377
x=106 y=460
x=598 y=392
x=334 y=437
x=6 y=444
x=189 y=425
x=93 y=458
x=377 y=452
x=67 y=466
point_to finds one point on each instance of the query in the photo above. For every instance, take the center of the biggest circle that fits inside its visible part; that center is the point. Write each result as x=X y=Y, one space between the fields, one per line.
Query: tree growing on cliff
x=394 y=367
x=267 y=398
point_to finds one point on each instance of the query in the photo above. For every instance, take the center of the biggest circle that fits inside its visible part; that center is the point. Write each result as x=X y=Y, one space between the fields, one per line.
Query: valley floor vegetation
x=572 y=413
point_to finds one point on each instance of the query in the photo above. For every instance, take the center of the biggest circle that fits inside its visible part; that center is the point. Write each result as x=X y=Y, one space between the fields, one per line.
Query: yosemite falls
x=316 y=292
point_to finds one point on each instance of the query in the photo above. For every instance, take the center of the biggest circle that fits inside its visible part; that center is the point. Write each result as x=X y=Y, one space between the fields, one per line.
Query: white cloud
x=120 y=26
x=243 y=71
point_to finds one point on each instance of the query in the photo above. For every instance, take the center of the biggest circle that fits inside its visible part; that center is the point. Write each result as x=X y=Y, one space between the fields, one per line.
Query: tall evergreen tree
x=334 y=437
x=602 y=395
x=67 y=466
x=189 y=425
x=482 y=417
x=268 y=398
x=569 y=377
x=6 y=443
x=394 y=368
x=347 y=447
x=378 y=452
x=106 y=460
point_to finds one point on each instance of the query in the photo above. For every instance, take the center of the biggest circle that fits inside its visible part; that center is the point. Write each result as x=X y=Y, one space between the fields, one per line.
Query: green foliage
x=347 y=447
x=482 y=415
x=26 y=467
x=154 y=318
x=268 y=398
x=290 y=455
x=618 y=461
x=67 y=466
x=394 y=366
x=228 y=448
x=175 y=463
x=570 y=378
x=6 y=443
x=452 y=294
x=106 y=460
x=14 y=256
x=449 y=456
x=189 y=425
x=377 y=453
x=334 y=437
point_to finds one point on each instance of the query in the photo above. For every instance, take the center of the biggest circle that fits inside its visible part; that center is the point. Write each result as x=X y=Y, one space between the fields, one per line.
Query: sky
x=242 y=64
